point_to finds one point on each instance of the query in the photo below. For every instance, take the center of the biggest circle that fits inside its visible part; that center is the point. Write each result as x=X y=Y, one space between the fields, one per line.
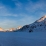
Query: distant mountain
x=1 y=29
x=10 y=30
x=13 y=29
x=19 y=27
x=38 y=25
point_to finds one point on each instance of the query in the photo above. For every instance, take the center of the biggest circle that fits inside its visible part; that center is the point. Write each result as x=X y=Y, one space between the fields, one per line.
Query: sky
x=14 y=13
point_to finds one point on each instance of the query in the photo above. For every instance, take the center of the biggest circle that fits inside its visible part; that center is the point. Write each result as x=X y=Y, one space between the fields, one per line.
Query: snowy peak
x=44 y=16
x=42 y=19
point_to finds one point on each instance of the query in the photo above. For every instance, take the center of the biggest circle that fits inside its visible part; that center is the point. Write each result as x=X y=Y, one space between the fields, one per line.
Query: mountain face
x=39 y=25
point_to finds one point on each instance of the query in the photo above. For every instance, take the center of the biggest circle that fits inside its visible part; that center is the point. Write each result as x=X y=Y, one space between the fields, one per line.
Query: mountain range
x=38 y=26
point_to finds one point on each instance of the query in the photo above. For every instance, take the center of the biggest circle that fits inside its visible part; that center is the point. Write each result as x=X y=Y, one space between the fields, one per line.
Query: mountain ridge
x=38 y=25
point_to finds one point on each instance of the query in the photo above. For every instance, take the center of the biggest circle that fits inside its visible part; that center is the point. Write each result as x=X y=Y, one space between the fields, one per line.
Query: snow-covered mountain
x=13 y=29
x=38 y=25
x=1 y=29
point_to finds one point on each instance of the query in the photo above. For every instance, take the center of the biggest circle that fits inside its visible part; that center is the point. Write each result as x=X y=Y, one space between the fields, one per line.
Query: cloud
x=4 y=11
x=18 y=4
x=8 y=23
x=26 y=19
x=32 y=7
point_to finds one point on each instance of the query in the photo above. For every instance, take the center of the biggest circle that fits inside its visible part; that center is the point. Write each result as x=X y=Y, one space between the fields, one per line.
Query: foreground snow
x=22 y=39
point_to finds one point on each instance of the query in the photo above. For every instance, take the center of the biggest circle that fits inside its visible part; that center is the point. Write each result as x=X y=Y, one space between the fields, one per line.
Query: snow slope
x=22 y=39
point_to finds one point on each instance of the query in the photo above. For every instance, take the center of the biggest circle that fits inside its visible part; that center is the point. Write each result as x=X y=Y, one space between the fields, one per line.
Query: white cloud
x=18 y=5
x=32 y=7
x=8 y=23
x=26 y=19
x=4 y=11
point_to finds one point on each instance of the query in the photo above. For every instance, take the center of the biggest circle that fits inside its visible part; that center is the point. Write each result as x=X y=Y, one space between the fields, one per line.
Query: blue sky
x=14 y=13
